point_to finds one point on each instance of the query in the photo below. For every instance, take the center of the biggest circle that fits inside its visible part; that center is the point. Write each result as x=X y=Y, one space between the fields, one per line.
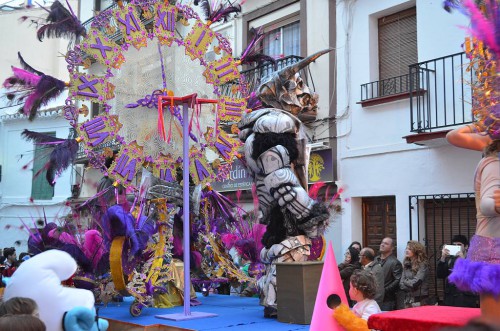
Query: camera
x=454 y=249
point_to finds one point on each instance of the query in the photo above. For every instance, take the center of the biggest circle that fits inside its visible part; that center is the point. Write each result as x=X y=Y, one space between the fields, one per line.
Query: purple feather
x=483 y=27
x=61 y=158
x=254 y=101
x=32 y=87
x=247 y=249
x=21 y=77
x=118 y=222
x=61 y=23
x=46 y=90
x=251 y=53
x=223 y=13
x=476 y=277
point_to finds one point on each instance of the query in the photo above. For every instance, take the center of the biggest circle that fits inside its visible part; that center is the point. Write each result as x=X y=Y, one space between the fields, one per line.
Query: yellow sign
x=316 y=165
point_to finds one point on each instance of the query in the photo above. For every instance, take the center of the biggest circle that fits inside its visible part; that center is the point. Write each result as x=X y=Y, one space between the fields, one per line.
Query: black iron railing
x=82 y=157
x=448 y=98
x=434 y=220
x=255 y=76
x=386 y=87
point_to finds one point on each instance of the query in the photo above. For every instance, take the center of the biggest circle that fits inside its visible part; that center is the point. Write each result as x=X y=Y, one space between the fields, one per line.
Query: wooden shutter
x=40 y=188
x=397 y=37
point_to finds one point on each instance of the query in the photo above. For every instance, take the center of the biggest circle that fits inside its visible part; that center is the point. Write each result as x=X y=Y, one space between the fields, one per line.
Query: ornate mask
x=286 y=90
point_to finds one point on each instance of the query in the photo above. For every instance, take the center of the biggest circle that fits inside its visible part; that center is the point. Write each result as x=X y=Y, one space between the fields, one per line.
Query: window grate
x=438 y=218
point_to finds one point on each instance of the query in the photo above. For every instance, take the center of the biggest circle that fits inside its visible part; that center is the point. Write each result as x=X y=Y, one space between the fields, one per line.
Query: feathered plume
x=61 y=22
x=31 y=87
x=314 y=190
x=485 y=28
x=215 y=11
x=252 y=53
x=93 y=247
x=450 y=5
x=61 y=157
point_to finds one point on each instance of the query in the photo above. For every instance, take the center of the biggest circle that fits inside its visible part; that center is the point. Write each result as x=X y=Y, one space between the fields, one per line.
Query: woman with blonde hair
x=415 y=275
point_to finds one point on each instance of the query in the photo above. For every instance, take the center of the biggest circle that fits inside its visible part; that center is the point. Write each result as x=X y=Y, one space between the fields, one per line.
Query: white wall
x=373 y=158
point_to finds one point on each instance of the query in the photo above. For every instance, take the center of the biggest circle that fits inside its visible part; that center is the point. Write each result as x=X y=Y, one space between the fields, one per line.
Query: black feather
x=38 y=137
x=27 y=67
x=206 y=8
x=102 y=266
x=61 y=23
x=260 y=59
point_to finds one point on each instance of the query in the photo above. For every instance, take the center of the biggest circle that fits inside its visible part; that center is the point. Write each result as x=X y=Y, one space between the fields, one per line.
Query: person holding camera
x=452 y=295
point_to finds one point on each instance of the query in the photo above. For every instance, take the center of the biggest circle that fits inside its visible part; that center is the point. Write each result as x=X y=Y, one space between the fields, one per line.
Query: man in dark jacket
x=392 y=270
x=367 y=260
x=452 y=295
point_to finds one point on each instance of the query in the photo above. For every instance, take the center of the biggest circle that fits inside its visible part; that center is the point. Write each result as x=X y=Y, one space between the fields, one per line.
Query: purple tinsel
x=476 y=277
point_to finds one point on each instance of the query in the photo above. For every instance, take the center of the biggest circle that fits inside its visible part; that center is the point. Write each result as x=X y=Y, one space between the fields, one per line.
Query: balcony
x=387 y=90
x=439 y=91
x=447 y=103
x=448 y=100
x=255 y=76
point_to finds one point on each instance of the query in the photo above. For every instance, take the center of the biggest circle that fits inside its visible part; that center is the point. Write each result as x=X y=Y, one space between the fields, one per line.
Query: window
x=40 y=188
x=397 y=36
x=282 y=41
x=102 y=4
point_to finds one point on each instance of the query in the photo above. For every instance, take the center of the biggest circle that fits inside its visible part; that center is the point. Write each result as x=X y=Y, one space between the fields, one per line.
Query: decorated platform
x=425 y=318
x=234 y=313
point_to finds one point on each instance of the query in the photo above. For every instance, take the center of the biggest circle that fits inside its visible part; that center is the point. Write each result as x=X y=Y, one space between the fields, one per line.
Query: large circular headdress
x=144 y=50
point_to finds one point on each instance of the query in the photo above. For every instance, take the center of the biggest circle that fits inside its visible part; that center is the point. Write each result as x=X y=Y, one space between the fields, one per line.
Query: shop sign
x=238 y=178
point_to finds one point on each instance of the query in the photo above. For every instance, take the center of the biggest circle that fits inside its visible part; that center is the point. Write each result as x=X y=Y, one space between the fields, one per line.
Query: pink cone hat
x=330 y=283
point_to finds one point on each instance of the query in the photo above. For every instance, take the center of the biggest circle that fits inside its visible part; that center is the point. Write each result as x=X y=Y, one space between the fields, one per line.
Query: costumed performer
x=480 y=271
x=275 y=154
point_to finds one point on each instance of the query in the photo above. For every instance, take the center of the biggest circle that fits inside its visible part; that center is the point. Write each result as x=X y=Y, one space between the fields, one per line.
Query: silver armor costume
x=275 y=155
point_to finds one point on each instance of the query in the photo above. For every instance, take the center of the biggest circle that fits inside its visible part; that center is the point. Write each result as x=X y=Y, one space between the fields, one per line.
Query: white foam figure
x=40 y=278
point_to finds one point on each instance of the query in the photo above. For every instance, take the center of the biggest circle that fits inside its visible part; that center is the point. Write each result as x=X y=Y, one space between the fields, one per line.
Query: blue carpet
x=234 y=314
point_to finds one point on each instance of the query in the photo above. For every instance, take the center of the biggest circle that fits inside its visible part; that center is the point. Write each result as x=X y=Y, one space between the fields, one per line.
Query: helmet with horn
x=286 y=90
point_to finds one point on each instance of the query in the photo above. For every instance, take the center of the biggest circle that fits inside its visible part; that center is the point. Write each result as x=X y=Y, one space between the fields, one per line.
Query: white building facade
x=402 y=84
x=24 y=197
